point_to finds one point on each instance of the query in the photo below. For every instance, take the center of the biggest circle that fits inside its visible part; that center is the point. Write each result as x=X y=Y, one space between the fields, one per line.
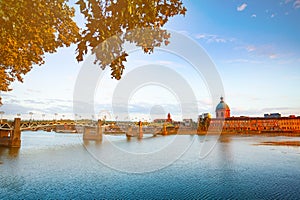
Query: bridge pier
x=92 y=133
x=16 y=133
x=164 y=129
x=11 y=138
x=135 y=132
x=129 y=132
x=140 y=136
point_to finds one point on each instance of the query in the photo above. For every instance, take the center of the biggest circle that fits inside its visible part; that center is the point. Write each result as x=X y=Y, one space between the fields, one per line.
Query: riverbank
x=253 y=133
x=281 y=143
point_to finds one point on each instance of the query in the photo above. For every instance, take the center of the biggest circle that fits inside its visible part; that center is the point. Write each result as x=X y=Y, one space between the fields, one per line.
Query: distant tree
x=31 y=28
x=203 y=123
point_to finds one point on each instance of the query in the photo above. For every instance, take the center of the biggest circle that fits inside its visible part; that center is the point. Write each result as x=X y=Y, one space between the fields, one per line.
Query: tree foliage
x=111 y=23
x=28 y=30
x=31 y=28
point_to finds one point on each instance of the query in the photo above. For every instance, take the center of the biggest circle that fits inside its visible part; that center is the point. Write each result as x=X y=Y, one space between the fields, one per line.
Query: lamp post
x=31 y=114
x=104 y=119
x=1 y=113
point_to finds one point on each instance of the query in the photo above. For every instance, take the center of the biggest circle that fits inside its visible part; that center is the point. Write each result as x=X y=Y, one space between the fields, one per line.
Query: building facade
x=269 y=123
x=260 y=124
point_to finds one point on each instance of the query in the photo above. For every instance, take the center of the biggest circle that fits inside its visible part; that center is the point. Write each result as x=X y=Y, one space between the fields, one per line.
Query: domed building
x=222 y=109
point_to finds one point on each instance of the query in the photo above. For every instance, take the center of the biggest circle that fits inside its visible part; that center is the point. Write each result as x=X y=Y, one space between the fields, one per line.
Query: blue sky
x=255 y=46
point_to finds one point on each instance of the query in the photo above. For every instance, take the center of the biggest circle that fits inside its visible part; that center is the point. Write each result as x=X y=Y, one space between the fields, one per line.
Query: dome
x=222 y=105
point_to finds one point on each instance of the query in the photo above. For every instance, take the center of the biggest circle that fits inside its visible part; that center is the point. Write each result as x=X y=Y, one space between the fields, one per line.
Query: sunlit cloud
x=252 y=112
x=273 y=56
x=260 y=50
x=250 y=48
x=241 y=7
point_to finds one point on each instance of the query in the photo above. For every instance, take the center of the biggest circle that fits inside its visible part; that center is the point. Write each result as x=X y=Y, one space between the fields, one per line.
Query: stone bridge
x=10 y=131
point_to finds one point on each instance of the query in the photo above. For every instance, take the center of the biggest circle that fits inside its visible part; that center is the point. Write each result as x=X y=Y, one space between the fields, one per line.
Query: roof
x=222 y=105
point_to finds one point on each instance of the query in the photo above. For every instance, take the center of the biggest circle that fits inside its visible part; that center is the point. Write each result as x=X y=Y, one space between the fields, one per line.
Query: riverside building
x=273 y=122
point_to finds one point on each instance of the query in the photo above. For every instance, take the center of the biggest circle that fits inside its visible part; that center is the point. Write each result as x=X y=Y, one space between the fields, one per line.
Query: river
x=62 y=166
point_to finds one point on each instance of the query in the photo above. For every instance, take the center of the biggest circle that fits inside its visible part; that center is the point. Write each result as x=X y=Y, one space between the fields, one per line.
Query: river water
x=62 y=166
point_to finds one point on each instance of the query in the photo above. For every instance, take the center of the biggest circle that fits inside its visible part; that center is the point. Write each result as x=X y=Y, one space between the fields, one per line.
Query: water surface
x=61 y=166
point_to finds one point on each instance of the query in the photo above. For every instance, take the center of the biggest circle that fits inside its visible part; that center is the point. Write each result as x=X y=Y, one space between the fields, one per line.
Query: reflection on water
x=61 y=166
x=225 y=138
x=10 y=152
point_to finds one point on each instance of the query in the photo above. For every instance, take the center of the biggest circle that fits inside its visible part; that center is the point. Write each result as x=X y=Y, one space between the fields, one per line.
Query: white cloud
x=297 y=4
x=12 y=106
x=241 y=7
x=213 y=38
x=241 y=60
x=253 y=15
x=201 y=36
x=184 y=32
